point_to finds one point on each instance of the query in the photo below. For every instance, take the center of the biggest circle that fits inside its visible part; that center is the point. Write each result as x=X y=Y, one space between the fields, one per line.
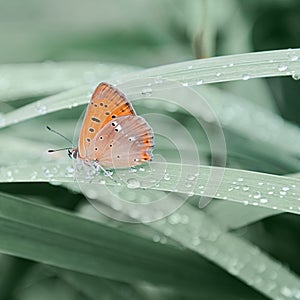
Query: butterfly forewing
x=107 y=103
x=123 y=142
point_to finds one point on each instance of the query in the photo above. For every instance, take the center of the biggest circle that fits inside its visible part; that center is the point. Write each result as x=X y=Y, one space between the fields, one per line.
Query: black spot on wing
x=95 y=120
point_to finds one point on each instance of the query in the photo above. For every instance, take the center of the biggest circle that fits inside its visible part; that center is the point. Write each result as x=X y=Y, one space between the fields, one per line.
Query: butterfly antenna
x=57 y=133
x=61 y=149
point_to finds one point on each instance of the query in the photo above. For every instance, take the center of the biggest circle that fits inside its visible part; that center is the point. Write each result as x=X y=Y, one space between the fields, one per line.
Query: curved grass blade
x=279 y=193
x=192 y=73
x=39 y=79
x=50 y=236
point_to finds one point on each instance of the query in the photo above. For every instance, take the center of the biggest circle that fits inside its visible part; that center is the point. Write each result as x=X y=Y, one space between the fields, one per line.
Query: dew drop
x=41 y=108
x=132 y=170
x=263 y=200
x=245 y=76
x=218 y=74
x=156 y=238
x=185 y=84
x=48 y=173
x=261 y=268
x=167 y=232
x=10 y=177
x=282 y=68
x=296 y=76
x=188 y=185
x=256 y=195
x=158 y=79
x=190 y=67
x=233 y=270
x=73 y=104
x=174 y=219
x=245 y=188
x=185 y=219
x=147 y=92
x=116 y=205
x=167 y=177
x=293 y=57
x=191 y=177
x=199 y=82
x=69 y=171
x=196 y=241
x=285 y=188
x=132 y=183
x=287 y=292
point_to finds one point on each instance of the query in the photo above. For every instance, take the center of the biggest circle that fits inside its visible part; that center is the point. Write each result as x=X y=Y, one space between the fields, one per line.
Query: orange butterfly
x=112 y=134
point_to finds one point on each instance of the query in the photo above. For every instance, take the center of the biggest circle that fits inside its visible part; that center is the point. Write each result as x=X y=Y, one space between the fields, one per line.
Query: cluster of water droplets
x=243 y=260
x=284 y=67
x=260 y=193
x=41 y=108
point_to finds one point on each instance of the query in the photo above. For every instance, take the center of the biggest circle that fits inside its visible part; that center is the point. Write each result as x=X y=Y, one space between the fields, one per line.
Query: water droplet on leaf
x=133 y=183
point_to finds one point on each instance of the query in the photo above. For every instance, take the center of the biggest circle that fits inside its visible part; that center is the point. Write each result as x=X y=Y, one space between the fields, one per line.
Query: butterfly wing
x=106 y=104
x=123 y=142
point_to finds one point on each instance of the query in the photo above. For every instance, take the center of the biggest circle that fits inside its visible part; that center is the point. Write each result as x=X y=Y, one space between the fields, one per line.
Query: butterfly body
x=112 y=134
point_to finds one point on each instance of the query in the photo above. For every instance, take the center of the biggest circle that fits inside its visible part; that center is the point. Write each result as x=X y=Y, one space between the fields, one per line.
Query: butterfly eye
x=74 y=154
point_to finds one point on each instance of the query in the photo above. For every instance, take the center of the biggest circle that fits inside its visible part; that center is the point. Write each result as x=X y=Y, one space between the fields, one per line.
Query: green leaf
x=191 y=73
x=61 y=239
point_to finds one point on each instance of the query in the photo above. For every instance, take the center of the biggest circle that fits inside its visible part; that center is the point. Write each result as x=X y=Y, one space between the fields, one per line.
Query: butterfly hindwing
x=106 y=104
x=123 y=142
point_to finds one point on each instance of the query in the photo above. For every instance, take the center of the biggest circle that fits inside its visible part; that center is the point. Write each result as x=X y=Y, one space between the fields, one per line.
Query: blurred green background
x=150 y=33
x=145 y=34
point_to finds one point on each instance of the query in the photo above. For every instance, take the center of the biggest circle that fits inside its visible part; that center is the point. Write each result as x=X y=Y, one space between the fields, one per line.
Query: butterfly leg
x=98 y=167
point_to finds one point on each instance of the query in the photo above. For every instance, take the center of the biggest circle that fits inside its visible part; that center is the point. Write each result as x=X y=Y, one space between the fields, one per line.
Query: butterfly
x=112 y=135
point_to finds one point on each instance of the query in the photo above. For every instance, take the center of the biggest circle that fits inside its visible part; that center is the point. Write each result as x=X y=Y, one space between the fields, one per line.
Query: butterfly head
x=73 y=153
